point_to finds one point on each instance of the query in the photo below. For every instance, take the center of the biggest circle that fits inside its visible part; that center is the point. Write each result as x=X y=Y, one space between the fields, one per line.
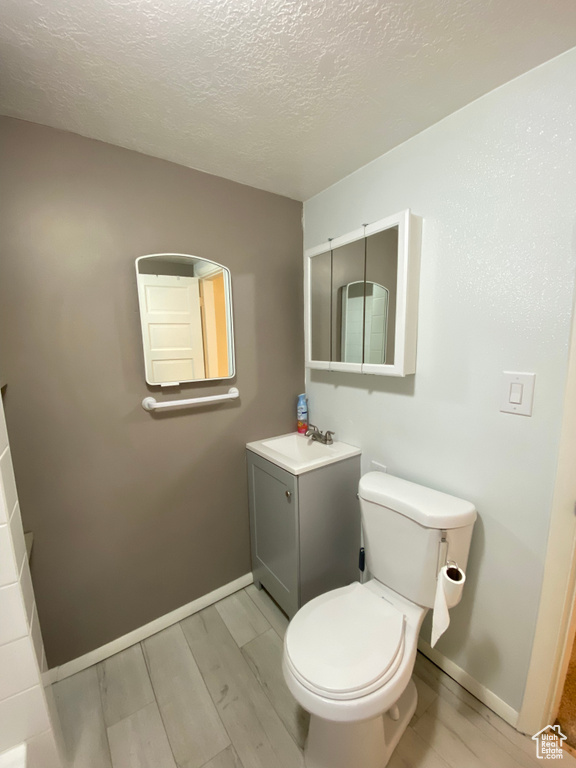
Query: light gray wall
x=494 y=184
x=133 y=514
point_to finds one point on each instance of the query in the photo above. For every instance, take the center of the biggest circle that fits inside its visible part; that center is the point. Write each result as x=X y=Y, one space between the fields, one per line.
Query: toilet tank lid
x=429 y=508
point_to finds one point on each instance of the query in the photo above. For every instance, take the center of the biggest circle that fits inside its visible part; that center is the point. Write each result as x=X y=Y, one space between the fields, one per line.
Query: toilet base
x=364 y=744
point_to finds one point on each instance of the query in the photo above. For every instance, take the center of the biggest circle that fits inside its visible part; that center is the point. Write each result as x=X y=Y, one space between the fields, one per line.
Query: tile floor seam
x=218 y=755
x=103 y=717
x=230 y=742
x=150 y=703
x=256 y=677
x=481 y=709
x=454 y=694
x=429 y=746
x=491 y=737
x=143 y=649
x=251 y=625
x=104 y=675
x=254 y=603
x=251 y=673
x=416 y=719
x=265 y=691
x=273 y=627
x=254 y=638
x=135 y=712
x=208 y=688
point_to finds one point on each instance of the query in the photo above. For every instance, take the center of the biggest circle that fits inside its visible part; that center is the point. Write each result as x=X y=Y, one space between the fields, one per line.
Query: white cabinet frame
x=406 y=319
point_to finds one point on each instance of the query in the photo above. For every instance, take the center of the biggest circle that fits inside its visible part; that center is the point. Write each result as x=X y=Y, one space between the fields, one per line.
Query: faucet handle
x=329 y=440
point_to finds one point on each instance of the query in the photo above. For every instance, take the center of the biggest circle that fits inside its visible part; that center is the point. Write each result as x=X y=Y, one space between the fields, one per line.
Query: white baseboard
x=483 y=694
x=121 y=643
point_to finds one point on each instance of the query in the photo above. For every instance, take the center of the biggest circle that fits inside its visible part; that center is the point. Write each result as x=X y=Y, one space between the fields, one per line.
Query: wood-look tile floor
x=209 y=693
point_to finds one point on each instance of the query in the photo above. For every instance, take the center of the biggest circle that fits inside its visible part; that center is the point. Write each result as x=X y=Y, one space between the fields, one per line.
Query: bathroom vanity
x=304 y=517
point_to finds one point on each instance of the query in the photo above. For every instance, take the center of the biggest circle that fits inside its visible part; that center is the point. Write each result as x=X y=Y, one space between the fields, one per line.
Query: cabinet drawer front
x=274 y=529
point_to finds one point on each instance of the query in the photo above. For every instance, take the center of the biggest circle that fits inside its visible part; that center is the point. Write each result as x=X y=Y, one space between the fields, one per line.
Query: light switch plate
x=517 y=393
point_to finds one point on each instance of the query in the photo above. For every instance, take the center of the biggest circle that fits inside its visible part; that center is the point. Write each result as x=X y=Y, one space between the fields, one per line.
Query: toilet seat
x=346 y=643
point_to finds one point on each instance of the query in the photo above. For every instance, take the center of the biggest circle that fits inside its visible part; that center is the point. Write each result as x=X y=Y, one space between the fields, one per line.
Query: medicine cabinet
x=361 y=297
x=186 y=319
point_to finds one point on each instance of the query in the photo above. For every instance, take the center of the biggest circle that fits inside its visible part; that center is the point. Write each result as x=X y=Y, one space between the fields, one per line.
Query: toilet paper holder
x=442 y=552
x=454 y=572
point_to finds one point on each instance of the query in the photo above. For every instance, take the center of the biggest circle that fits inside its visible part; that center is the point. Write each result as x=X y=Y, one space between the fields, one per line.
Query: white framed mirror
x=361 y=297
x=186 y=319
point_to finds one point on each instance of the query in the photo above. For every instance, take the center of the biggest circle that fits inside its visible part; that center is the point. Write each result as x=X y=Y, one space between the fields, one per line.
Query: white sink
x=298 y=454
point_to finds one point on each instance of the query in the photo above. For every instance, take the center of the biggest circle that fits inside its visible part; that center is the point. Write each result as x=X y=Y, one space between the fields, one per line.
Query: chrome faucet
x=320 y=437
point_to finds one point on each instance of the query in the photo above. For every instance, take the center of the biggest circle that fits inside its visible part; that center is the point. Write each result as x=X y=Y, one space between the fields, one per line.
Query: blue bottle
x=302 y=414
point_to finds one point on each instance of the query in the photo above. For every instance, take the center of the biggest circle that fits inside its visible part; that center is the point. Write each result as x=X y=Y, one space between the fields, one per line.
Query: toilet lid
x=345 y=641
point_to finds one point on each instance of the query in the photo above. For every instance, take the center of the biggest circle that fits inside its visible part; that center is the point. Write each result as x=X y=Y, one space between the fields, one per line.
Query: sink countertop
x=298 y=454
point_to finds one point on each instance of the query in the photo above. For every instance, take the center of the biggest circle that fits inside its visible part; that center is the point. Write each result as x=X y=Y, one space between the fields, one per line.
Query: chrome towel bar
x=150 y=403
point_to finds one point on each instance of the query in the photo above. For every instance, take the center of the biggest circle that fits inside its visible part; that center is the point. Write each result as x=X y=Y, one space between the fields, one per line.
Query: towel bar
x=150 y=403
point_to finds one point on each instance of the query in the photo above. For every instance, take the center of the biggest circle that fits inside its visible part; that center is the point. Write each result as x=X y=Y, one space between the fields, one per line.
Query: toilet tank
x=403 y=525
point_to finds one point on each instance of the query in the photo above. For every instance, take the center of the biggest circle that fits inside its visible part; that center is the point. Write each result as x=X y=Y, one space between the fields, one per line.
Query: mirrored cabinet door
x=380 y=296
x=321 y=306
x=371 y=276
x=347 y=306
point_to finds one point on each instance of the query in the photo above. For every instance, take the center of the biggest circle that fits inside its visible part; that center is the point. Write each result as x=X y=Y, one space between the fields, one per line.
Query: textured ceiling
x=285 y=95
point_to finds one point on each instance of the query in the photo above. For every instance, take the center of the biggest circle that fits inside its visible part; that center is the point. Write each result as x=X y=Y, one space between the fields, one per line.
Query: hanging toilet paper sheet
x=448 y=593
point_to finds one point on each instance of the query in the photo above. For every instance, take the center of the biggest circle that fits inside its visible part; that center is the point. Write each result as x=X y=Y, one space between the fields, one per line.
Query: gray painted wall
x=494 y=184
x=134 y=515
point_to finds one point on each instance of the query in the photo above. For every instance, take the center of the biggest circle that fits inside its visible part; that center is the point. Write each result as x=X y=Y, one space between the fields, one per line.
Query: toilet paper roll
x=448 y=593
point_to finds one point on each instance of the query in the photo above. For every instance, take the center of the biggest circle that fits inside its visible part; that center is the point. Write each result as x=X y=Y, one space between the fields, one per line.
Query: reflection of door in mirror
x=170 y=308
x=186 y=318
x=366 y=310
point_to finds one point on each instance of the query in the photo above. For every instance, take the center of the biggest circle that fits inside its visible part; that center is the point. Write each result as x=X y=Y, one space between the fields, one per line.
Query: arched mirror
x=186 y=318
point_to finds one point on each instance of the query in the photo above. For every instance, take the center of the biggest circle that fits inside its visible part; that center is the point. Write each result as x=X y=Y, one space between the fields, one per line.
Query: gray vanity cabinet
x=305 y=529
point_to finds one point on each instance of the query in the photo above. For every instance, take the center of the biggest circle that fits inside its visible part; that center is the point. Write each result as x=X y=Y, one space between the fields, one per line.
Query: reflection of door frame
x=556 y=623
x=214 y=329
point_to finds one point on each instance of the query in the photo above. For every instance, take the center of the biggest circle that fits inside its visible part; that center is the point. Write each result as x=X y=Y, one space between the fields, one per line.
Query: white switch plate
x=517 y=386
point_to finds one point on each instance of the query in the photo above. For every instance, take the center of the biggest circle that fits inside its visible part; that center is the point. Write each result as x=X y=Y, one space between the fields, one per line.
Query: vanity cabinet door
x=329 y=528
x=274 y=522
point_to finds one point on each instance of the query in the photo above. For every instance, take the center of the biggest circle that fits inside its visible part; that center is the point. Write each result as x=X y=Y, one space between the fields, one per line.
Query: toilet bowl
x=349 y=654
x=348 y=660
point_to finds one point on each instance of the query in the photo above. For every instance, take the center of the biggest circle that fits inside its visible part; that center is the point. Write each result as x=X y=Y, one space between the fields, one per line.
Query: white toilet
x=349 y=654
